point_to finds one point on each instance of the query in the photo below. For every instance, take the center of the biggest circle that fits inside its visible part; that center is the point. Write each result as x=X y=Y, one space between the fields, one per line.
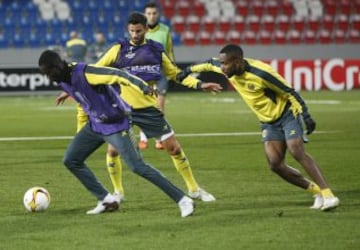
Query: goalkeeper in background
x=280 y=111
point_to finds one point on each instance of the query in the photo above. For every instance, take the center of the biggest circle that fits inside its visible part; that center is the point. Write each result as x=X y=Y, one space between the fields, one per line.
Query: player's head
x=51 y=64
x=137 y=27
x=232 y=60
x=151 y=11
x=73 y=34
x=99 y=37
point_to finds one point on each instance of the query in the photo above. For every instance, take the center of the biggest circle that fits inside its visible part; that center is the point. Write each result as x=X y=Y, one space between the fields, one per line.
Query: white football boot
x=330 y=203
x=108 y=204
x=186 y=206
x=318 y=201
x=201 y=194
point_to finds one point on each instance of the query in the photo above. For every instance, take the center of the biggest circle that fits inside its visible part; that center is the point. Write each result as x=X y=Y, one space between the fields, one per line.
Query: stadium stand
x=40 y=23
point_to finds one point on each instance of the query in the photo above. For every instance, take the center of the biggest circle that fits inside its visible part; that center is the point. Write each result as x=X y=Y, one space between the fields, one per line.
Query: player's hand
x=310 y=124
x=211 y=86
x=60 y=99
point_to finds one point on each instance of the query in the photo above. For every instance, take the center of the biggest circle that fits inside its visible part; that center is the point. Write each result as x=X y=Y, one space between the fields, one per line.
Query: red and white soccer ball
x=36 y=199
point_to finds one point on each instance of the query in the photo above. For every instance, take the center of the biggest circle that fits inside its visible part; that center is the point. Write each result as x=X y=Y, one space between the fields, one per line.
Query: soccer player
x=280 y=111
x=147 y=60
x=161 y=33
x=98 y=47
x=96 y=89
x=76 y=48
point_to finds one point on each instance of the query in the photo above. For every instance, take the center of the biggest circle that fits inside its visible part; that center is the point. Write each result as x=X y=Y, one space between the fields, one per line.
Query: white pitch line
x=48 y=138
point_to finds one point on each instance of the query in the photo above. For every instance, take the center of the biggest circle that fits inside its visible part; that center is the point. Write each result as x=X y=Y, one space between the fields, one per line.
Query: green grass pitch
x=254 y=209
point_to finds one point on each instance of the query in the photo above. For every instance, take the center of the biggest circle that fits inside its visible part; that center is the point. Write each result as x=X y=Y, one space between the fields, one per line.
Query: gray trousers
x=86 y=142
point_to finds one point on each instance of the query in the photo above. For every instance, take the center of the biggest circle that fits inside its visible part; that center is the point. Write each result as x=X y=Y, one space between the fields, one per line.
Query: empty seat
x=286 y=7
x=178 y=23
x=298 y=23
x=253 y=22
x=353 y=36
x=283 y=22
x=309 y=36
x=264 y=37
x=233 y=37
x=224 y=24
x=327 y=22
x=183 y=8
x=204 y=38
x=249 y=37
x=355 y=21
x=188 y=38
x=314 y=23
x=208 y=23
x=272 y=7
x=346 y=7
x=339 y=36
x=330 y=6
x=238 y=23
x=279 y=37
x=242 y=8
x=257 y=7
x=342 y=22
x=198 y=9
x=219 y=37
x=193 y=23
x=293 y=36
x=324 y=36
x=168 y=9
x=268 y=23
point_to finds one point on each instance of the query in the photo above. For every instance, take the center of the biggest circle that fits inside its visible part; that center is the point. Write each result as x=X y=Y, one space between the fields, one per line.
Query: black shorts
x=152 y=122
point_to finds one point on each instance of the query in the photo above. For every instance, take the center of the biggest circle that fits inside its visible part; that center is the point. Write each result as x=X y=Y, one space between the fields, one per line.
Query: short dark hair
x=151 y=5
x=49 y=58
x=137 y=18
x=232 y=50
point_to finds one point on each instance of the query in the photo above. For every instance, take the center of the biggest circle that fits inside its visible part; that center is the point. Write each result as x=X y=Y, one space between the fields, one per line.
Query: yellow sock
x=182 y=165
x=114 y=168
x=313 y=188
x=327 y=193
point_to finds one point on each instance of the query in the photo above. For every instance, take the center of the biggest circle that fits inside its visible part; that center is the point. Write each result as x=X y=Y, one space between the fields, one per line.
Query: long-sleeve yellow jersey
x=169 y=69
x=264 y=90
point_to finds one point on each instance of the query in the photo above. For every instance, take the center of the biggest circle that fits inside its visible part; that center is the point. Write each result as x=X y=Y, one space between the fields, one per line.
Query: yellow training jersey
x=264 y=90
x=169 y=69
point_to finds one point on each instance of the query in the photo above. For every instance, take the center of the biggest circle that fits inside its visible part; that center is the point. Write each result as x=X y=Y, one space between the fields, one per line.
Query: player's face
x=230 y=66
x=152 y=15
x=137 y=33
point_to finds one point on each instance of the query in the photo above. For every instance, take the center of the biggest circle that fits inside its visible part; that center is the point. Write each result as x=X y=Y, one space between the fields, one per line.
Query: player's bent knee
x=174 y=150
x=112 y=152
x=70 y=162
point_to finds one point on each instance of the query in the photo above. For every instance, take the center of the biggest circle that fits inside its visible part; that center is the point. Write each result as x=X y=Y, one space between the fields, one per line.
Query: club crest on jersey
x=251 y=87
x=130 y=54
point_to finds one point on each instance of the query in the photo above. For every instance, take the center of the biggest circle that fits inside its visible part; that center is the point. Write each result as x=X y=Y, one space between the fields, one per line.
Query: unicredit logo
x=30 y=81
x=334 y=74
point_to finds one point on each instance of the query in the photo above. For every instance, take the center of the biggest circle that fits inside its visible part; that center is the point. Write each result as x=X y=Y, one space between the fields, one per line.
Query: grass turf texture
x=254 y=209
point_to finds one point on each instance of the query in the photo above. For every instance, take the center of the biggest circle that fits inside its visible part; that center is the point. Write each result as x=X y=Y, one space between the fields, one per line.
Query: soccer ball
x=36 y=199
